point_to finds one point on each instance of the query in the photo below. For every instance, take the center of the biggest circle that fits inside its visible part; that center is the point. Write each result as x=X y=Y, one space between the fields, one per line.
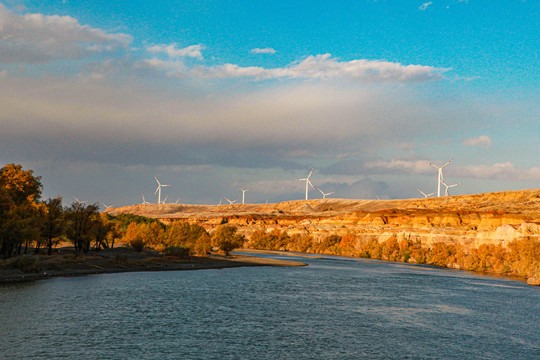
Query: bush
x=24 y=263
x=137 y=244
x=226 y=239
x=178 y=251
x=203 y=244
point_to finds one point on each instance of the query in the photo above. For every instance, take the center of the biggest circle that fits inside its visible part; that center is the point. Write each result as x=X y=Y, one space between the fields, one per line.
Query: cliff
x=469 y=220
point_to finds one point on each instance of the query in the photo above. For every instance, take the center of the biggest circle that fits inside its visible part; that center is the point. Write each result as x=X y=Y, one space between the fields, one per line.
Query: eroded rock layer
x=470 y=220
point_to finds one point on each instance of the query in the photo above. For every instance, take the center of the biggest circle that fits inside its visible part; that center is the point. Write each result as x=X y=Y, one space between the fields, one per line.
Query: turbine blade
x=448 y=162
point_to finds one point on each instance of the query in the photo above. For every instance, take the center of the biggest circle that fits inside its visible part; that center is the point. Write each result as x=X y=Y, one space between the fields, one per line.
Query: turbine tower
x=158 y=190
x=441 y=178
x=423 y=193
x=308 y=183
x=325 y=195
x=243 y=195
x=448 y=186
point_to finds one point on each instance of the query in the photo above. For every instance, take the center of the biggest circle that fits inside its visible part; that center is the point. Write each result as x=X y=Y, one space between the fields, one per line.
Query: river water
x=332 y=309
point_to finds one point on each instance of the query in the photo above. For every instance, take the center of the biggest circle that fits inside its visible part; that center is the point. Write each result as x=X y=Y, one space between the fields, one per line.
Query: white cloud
x=260 y=127
x=497 y=171
x=480 y=140
x=399 y=166
x=193 y=51
x=230 y=71
x=171 y=67
x=37 y=38
x=326 y=67
x=424 y=6
x=263 y=51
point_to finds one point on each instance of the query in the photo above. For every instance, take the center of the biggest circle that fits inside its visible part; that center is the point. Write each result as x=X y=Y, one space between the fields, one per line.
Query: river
x=334 y=308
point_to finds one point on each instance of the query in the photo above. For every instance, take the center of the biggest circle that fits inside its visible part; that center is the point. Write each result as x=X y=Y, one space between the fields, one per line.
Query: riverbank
x=66 y=263
x=529 y=281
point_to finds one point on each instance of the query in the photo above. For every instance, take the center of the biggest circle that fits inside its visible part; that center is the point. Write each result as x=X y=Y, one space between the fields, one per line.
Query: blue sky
x=213 y=96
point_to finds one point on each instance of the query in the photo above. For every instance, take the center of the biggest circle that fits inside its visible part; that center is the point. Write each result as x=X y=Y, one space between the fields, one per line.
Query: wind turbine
x=325 y=195
x=79 y=201
x=230 y=201
x=177 y=201
x=441 y=177
x=220 y=201
x=243 y=195
x=448 y=186
x=106 y=207
x=164 y=200
x=158 y=190
x=144 y=201
x=307 y=182
x=423 y=193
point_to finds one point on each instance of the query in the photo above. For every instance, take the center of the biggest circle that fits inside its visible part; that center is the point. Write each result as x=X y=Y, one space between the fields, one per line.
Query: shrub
x=137 y=244
x=178 y=251
x=226 y=239
x=24 y=263
x=203 y=244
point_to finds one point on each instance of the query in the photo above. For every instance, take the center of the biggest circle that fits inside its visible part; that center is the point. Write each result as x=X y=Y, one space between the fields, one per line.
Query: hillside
x=467 y=219
x=496 y=232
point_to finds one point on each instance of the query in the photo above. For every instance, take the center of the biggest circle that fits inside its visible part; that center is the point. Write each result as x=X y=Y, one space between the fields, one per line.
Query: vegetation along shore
x=496 y=233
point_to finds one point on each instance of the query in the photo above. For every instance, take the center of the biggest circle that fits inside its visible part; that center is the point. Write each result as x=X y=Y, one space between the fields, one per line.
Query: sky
x=98 y=97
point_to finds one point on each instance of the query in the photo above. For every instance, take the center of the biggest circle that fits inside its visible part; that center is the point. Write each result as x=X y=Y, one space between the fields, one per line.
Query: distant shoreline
x=123 y=260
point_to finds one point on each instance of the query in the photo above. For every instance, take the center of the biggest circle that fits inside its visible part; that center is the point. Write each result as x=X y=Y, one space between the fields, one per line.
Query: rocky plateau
x=470 y=220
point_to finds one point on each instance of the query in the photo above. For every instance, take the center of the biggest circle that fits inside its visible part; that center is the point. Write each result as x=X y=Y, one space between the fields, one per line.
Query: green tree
x=20 y=210
x=53 y=223
x=226 y=239
x=81 y=218
x=203 y=244
x=22 y=186
x=116 y=231
x=100 y=230
x=184 y=234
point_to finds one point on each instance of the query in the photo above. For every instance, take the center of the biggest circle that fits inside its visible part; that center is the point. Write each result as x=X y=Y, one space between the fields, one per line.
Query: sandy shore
x=66 y=263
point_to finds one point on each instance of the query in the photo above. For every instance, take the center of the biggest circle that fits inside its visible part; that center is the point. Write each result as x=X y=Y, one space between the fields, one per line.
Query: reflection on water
x=332 y=309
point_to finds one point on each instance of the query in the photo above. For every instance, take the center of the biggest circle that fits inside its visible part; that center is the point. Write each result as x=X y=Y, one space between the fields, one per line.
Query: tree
x=116 y=231
x=19 y=209
x=81 y=218
x=21 y=185
x=182 y=233
x=226 y=239
x=53 y=224
x=100 y=230
x=134 y=236
x=203 y=245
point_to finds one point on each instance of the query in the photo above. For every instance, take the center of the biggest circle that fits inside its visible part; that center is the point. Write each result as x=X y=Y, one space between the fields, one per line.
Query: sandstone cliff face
x=469 y=220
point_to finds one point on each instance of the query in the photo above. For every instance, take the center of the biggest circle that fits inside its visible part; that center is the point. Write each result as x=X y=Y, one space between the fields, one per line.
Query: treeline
x=519 y=257
x=182 y=238
x=29 y=223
